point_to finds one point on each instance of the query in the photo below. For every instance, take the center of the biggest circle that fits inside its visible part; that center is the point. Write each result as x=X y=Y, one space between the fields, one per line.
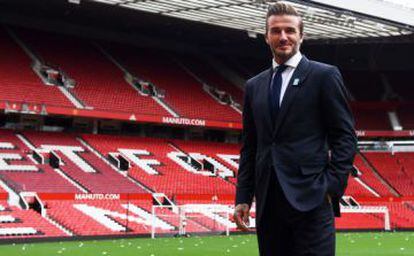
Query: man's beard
x=284 y=55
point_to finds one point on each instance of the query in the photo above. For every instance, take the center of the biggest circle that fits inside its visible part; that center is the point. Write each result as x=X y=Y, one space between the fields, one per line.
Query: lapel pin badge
x=296 y=82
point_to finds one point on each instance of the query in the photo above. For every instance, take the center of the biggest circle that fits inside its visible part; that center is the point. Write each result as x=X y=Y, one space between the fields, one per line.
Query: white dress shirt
x=291 y=64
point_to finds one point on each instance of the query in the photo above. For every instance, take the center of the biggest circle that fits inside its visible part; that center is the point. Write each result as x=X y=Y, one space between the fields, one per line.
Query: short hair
x=283 y=9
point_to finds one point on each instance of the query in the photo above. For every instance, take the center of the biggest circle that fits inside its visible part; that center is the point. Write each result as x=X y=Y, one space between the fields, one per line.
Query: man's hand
x=241 y=216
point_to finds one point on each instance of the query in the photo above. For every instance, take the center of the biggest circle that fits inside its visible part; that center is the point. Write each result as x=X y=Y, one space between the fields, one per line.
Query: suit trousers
x=285 y=231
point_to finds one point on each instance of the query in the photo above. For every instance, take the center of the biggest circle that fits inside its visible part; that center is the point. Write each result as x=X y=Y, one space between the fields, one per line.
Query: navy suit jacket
x=314 y=119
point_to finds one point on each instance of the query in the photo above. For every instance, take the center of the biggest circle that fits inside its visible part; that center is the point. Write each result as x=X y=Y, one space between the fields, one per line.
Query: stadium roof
x=324 y=19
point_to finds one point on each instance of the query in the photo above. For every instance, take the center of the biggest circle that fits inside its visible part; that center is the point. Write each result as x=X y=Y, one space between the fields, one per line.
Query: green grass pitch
x=352 y=244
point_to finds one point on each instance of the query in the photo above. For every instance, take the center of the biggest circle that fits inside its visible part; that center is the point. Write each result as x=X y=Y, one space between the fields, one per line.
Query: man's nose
x=283 y=35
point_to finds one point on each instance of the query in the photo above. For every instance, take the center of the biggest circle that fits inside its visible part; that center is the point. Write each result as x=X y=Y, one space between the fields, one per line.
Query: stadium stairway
x=100 y=156
x=183 y=92
x=374 y=178
x=392 y=168
x=18 y=82
x=202 y=70
x=36 y=59
x=24 y=174
x=100 y=84
x=157 y=165
x=18 y=223
x=109 y=217
x=82 y=165
x=210 y=86
x=127 y=73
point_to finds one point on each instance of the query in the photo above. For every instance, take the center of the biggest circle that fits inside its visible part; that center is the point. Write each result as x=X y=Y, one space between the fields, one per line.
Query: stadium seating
x=360 y=221
x=207 y=74
x=356 y=189
x=104 y=217
x=183 y=92
x=18 y=82
x=27 y=175
x=401 y=217
x=401 y=214
x=20 y=223
x=226 y=158
x=75 y=184
x=99 y=83
x=171 y=178
x=396 y=169
x=82 y=166
x=368 y=177
x=172 y=175
x=100 y=78
x=160 y=165
x=72 y=217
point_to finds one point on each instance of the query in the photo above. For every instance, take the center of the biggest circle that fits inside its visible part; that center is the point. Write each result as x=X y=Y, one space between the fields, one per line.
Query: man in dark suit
x=298 y=146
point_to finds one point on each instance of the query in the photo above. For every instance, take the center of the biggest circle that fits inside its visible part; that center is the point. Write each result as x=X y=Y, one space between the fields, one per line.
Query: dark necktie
x=275 y=89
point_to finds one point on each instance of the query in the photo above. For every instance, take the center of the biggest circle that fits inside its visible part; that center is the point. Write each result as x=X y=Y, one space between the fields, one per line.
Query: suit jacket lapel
x=299 y=75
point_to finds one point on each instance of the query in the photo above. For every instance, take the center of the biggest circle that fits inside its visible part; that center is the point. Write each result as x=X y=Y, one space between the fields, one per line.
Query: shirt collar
x=292 y=62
